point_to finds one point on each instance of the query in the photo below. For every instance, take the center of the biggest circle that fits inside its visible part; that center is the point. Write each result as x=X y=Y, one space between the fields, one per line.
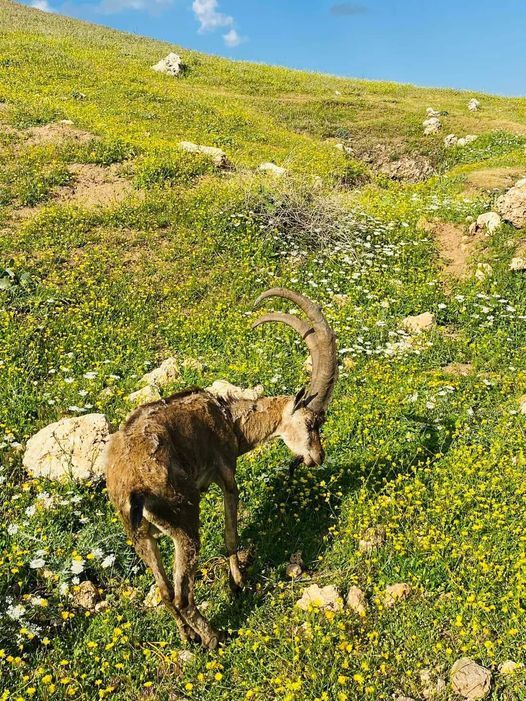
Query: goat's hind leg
x=185 y=563
x=148 y=550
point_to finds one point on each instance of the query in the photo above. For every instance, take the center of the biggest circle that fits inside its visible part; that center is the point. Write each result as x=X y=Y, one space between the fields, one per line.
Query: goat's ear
x=299 y=399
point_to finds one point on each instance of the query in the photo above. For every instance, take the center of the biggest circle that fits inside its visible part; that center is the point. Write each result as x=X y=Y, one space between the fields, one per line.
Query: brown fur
x=170 y=451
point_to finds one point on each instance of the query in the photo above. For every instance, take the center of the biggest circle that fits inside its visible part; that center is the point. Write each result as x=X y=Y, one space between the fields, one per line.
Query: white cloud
x=209 y=17
x=232 y=38
x=41 y=5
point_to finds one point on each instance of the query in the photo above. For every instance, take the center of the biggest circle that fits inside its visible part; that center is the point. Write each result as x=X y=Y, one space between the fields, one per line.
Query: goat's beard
x=294 y=463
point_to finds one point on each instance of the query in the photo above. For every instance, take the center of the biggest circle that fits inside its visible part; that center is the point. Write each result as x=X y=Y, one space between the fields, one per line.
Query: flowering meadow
x=425 y=439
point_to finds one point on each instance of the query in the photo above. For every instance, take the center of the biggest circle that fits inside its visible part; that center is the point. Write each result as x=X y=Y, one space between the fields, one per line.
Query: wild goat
x=170 y=451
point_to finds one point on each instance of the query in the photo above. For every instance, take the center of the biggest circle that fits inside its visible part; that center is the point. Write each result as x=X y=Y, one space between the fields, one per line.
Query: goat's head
x=304 y=415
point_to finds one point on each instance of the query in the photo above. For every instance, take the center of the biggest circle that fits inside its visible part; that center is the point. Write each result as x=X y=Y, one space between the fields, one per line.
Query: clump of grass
x=171 y=168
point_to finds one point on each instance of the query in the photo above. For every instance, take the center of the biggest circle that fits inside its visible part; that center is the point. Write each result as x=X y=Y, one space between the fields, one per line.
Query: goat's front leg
x=231 y=500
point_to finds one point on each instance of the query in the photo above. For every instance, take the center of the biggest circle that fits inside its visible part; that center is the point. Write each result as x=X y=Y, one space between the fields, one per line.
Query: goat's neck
x=257 y=421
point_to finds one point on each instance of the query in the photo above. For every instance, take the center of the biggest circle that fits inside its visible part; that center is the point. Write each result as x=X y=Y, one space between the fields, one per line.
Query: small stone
x=465 y=140
x=510 y=667
x=431 y=112
x=152 y=598
x=522 y=404
x=372 y=539
x=185 y=657
x=101 y=606
x=293 y=571
x=273 y=169
x=395 y=593
x=340 y=299
x=431 y=125
x=518 y=264
x=86 y=596
x=356 y=601
x=419 y=323
x=325 y=598
x=490 y=221
x=473 y=104
x=147 y=394
x=458 y=369
x=404 y=698
x=165 y=374
x=470 y=680
x=69 y=122
x=483 y=271
x=450 y=140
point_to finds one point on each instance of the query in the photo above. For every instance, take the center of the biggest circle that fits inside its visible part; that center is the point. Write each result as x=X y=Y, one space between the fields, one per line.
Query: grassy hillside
x=118 y=250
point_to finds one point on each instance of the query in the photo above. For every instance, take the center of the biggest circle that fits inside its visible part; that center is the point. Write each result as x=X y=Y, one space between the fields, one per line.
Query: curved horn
x=321 y=343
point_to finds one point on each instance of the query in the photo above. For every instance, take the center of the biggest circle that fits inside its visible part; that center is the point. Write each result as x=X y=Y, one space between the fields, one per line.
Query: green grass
x=98 y=295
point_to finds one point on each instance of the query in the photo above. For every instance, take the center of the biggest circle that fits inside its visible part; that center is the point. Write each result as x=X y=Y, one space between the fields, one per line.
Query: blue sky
x=472 y=44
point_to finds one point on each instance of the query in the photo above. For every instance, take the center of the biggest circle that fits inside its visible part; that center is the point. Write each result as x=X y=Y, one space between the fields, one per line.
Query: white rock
x=473 y=104
x=450 y=140
x=272 y=168
x=356 y=601
x=512 y=205
x=395 y=593
x=165 y=374
x=147 y=394
x=468 y=139
x=518 y=264
x=490 y=221
x=372 y=539
x=217 y=155
x=226 y=390
x=432 y=112
x=510 y=667
x=343 y=147
x=70 y=448
x=431 y=125
x=325 y=598
x=419 y=323
x=522 y=404
x=171 y=65
x=470 y=680
x=483 y=271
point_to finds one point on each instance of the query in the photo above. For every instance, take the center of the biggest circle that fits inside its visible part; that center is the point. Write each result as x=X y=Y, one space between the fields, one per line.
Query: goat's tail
x=160 y=506
x=137 y=502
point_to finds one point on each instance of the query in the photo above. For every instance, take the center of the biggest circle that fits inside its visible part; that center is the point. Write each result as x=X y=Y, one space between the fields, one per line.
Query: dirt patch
x=455 y=246
x=57 y=132
x=94 y=186
x=458 y=369
x=493 y=179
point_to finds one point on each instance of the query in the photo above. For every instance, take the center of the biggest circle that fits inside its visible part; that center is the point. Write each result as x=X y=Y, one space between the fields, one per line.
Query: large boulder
x=69 y=449
x=216 y=155
x=171 y=65
x=512 y=205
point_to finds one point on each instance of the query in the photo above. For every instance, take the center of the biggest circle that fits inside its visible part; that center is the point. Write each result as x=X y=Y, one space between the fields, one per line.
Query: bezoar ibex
x=170 y=451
